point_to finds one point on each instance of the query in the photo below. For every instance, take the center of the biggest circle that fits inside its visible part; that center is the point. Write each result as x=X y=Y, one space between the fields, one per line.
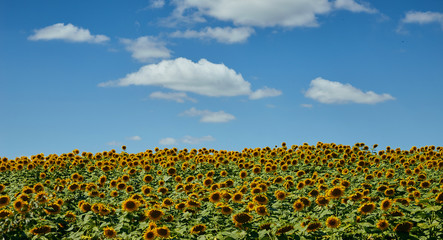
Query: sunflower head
x=261 y=210
x=284 y=229
x=403 y=227
x=336 y=192
x=241 y=218
x=40 y=230
x=109 y=232
x=162 y=232
x=382 y=224
x=155 y=214
x=199 y=228
x=366 y=208
x=333 y=222
x=130 y=205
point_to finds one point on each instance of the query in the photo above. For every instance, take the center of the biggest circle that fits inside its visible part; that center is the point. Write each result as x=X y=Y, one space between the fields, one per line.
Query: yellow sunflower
x=155 y=214
x=333 y=222
x=130 y=205
x=109 y=232
x=199 y=228
x=382 y=224
x=162 y=232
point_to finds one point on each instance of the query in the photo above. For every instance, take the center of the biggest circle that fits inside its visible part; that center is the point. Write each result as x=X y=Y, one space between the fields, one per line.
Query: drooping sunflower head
x=336 y=192
x=284 y=229
x=403 y=227
x=40 y=230
x=199 y=228
x=260 y=199
x=366 y=208
x=241 y=218
x=261 y=210
x=313 y=226
x=53 y=209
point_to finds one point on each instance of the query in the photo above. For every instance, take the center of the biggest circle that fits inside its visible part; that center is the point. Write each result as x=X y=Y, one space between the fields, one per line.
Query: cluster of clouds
x=183 y=76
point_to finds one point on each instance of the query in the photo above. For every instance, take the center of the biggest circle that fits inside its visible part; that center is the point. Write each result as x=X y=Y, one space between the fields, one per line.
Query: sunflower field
x=322 y=191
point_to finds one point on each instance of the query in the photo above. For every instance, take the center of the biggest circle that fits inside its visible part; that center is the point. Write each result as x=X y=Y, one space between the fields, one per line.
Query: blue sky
x=222 y=74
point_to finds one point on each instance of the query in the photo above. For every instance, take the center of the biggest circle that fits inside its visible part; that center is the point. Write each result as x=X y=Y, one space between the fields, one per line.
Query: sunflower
x=167 y=202
x=261 y=210
x=155 y=214
x=243 y=174
x=40 y=230
x=439 y=198
x=42 y=197
x=280 y=195
x=5 y=213
x=109 y=232
x=148 y=178
x=199 y=228
x=403 y=227
x=53 y=209
x=241 y=218
x=390 y=192
x=382 y=224
x=313 y=226
x=260 y=199
x=314 y=193
x=298 y=206
x=237 y=197
x=208 y=182
x=162 y=232
x=149 y=234
x=70 y=216
x=193 y=204
x=284 y=229
x=226 y=209
x=85 y=207
x=266 y=226
x=385 y=204
x=366 y=208
x=121 y=186
x=180 y=206
x=215 y=197
x=38 y=187
x=333 y=222
x=4 y=200
x=322 y=201
x=130 y=205
x=162 y=190
x=336 y=192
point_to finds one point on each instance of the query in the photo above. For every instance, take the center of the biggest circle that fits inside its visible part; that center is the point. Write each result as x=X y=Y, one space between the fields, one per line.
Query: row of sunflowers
x=322 y=191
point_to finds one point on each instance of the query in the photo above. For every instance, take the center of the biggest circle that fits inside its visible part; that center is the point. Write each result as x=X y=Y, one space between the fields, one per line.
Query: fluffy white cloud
x=326 y=91
x=167 y=141
x=263 y=13
x=134 y=138
x=69 y=32
x=147 y=48
x=181 y=74
x=208 y=116
x=227 y=35
x=179 y=97
x=186 y=140
x=423 y=17
x=264 y=92
x=353 y=6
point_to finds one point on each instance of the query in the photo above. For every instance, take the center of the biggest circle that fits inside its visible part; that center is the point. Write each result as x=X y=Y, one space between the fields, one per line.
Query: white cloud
x=181 y=74
x=196 y=140
x=227 y=35
x=423 y=17
x=134 y=138
x=306 y=105
x=326 y=91
x=208 y=116
x=262 y=13
x=353 y=6
x=114 y=143
x=167 y=141
x=264 y=92
x=179 y=97
x=157 y=3
x=186 y=140
x=147 y=48
x=69 y=32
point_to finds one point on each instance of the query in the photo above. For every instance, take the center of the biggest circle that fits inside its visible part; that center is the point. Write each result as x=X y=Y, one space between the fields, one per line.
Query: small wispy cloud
x=186 y=140
x=208 y=116
x=306 y=105
x=157 y=3
x=134 y=138
x=354 y=6
x=114 y=143
x=68 y=32
x=179 y=97
x=264 y=92
x=329 y=92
